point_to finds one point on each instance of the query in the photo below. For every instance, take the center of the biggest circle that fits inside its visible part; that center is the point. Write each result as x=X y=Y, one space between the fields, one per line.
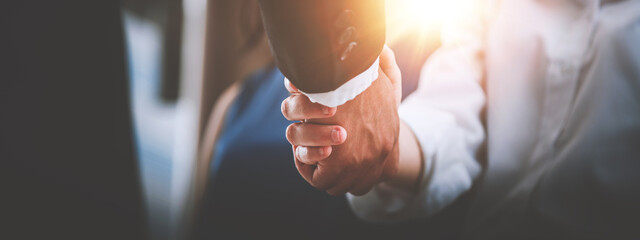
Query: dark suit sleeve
x=320 y=45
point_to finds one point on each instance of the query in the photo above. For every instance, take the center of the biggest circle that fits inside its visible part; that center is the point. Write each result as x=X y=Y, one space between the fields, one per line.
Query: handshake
x=352 y=147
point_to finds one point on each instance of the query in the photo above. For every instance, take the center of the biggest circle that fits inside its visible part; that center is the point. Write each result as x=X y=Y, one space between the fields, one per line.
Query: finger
x=390 y=68
x=311 y=155
x=315 y=135
x=298 y=107
x=389 y=65
x=290 y=87
x=305 y=170
x=324 y=178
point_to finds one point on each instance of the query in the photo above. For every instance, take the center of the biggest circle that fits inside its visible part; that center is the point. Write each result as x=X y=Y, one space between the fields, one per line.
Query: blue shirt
x=255 y=189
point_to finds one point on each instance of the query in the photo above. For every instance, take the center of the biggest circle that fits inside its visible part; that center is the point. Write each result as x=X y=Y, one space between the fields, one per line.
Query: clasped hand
x=354 y=146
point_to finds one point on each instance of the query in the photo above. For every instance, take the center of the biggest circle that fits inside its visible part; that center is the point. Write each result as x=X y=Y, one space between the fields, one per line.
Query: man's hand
x=330 y=161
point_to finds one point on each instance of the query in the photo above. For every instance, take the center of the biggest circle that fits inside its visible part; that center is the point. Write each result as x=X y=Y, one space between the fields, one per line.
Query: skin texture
x=331 y=161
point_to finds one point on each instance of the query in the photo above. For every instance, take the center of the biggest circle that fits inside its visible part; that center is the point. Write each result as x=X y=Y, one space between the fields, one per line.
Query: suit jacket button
x=347 y=35
x=344 y=19
x=348 y=51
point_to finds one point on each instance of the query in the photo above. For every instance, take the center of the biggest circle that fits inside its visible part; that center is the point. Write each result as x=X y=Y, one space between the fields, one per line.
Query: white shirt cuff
x=348 y=90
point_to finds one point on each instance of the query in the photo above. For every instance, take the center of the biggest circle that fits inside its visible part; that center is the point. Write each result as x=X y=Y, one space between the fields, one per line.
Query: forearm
x=411 y=162
x=328 y=50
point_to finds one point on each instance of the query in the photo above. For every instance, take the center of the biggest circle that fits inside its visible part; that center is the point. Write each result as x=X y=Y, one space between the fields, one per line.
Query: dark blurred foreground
x=68 y=168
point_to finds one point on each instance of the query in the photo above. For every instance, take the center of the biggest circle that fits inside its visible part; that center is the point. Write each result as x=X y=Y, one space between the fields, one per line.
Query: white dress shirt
x=349 y=90
x=559 y=82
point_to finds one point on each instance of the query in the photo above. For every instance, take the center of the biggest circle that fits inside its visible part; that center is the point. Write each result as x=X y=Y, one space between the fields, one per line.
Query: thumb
x=389 y=66
x=290 y=87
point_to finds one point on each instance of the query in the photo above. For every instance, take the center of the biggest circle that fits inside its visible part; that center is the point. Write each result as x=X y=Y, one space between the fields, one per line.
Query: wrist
x=349 y=90
x=410 y=168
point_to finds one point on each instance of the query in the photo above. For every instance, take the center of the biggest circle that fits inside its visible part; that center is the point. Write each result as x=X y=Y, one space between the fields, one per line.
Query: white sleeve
x=444 y=115
x=348 y=90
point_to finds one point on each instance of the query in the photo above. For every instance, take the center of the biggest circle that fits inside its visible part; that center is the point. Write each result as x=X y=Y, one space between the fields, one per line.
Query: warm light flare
x=423 y=17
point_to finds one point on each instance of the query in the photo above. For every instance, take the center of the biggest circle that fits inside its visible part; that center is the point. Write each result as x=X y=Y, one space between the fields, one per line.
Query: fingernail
x=325 y=110
x=336 y=135
x=299 y=152
x=321 y=151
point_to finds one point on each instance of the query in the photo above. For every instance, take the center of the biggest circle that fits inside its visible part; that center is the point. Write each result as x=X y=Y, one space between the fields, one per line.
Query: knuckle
x=324 y=152
x=311 y=154
x=302 y=106
x=293 y=104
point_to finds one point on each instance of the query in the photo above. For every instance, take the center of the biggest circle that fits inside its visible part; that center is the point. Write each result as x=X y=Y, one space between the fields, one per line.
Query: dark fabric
x=305 y=38
x=67 y=167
